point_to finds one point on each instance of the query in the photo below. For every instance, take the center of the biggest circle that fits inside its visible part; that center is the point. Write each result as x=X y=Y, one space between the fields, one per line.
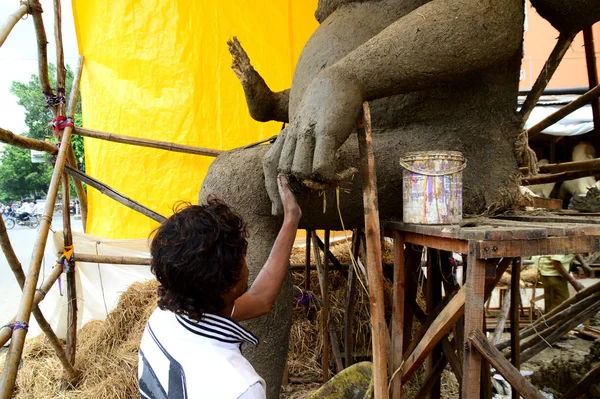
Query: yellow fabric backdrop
x=160 y=69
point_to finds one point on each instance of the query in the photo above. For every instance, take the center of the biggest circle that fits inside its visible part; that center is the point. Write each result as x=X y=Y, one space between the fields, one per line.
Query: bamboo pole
x=163 y=145
x=42 y=42
x=373 y=240
x=114 y=194
x=60 y=57
x=17 y=270
x=8 y=137
x=324 y=284
x=564 y=111
x=111 y=260
x=350 y=302
x=71 y=108
x=40 y=294
x=561 y=47
x=11 y=21
x=13 y=357
x=592 y=164
x=70 y=273
x=558 y=177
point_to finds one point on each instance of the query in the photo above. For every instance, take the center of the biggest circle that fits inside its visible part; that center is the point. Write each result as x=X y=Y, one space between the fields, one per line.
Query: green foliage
x=19 y=177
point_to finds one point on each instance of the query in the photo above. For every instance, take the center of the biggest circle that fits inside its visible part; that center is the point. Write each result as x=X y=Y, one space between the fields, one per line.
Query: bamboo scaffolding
x=42 y=42
x=12 y=20
x=373 y=240
x=40 y=294
x=564 y=111
x=17 y=270
x=111 y=260
x=13 y=357
x=561 y=47
x=114 y=194
x=163 y=145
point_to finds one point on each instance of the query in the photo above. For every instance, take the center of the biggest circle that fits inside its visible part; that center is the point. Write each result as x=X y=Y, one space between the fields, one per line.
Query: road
x=23 y=239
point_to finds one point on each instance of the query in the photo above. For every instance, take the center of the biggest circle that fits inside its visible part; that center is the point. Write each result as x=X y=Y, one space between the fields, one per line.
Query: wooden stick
x=330 y=256
x=307 y=264
x=162 y=145
x=350 y=302
x=114 y=194
x=452 y=359
x=17 y=270
x=504 y=310
x=8 y=137
x=515 y=317
x=324 y=284
x=575 y=166
x=438 y=329
x=503 y=366
x=60 y=57
x=12 y=21
x=561 y=47
x=564 y=111
x=583 y=386
x=111 y=260
x=592 y=72
x=13 y=357
x=374 y=271
x=42 y=42
x=558 y=177
x=70 y=273
x=397 y=314
x=5 y=332
x=474 y=296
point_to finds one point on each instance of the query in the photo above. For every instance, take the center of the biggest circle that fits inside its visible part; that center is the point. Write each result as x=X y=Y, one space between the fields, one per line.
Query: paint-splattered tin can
x=432 y=187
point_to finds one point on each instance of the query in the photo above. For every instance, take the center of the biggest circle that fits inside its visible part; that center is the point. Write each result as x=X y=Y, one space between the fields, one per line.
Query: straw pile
x=529 y=274
x=106 y=354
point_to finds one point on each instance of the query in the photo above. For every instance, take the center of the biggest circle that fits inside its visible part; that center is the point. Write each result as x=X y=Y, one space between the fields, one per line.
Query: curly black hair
x=197 y=257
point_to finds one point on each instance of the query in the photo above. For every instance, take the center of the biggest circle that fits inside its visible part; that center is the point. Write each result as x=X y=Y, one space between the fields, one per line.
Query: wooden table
x=490 y=245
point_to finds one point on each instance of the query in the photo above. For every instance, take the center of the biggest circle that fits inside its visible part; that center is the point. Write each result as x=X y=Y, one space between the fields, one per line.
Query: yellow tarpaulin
x=160 y=69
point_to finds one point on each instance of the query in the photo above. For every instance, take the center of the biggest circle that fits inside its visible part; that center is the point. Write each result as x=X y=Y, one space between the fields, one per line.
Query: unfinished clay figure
x=439 y=75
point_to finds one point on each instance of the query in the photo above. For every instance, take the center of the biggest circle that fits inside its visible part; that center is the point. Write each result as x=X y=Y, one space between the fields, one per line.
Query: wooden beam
x=438 y=329
x=432 y=378
x=114 y=194
x=515 y=300
x=542 y=246
x=330 y=256
x=503 y=366
x=397 y=314
x=591 y=164
x=592 y=72
x=558 y=177
x=474 y=303
x=561 y=47
x=373 y=240
x=11 y=21
x=324 y=284
x=446 y=244
x=8 y=137
x=452 y=359
x=161 y=145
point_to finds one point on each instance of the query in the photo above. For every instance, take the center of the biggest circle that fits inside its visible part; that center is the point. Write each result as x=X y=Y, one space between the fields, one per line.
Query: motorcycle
x=30 y=220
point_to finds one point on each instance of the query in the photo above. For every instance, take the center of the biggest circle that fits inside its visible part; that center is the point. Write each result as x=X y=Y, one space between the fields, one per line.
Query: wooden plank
x=547 y=203
x=438 y=329
x=515 y=298
x=474 y=297
x=579 y=218
x=397 y=314
x=547 y=246
x=475 y=229
x=446 y=244
x=503 y=366
x=553 y=229
x=374 y=270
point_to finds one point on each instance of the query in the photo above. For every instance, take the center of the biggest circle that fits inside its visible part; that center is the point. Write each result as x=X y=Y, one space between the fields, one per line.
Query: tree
x=18 y=176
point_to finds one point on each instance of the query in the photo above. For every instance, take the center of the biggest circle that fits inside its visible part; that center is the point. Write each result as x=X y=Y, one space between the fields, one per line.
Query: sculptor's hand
x=325 y=118
x=291 y=209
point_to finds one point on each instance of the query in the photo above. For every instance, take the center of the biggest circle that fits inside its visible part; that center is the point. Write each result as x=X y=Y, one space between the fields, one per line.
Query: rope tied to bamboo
x=17 y=325
x=525 y=155
x=53 y=100
x=61 y=122
x=66 y=259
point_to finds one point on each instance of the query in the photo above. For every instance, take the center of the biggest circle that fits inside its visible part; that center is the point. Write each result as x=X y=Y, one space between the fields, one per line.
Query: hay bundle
x=529 y=274
x=106 y=353
x=341 y=250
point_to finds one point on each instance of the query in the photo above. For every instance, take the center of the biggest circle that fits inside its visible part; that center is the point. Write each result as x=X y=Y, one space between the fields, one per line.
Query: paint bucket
x=432 y=187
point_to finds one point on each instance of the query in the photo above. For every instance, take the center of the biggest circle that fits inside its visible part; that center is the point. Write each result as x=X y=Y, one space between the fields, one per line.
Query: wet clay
x=439 y=75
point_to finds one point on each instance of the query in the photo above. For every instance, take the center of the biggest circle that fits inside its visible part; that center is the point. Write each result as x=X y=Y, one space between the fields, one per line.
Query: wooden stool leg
x=474 y=302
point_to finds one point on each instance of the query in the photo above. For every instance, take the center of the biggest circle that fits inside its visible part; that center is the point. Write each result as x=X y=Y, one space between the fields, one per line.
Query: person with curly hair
x=191 y=345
